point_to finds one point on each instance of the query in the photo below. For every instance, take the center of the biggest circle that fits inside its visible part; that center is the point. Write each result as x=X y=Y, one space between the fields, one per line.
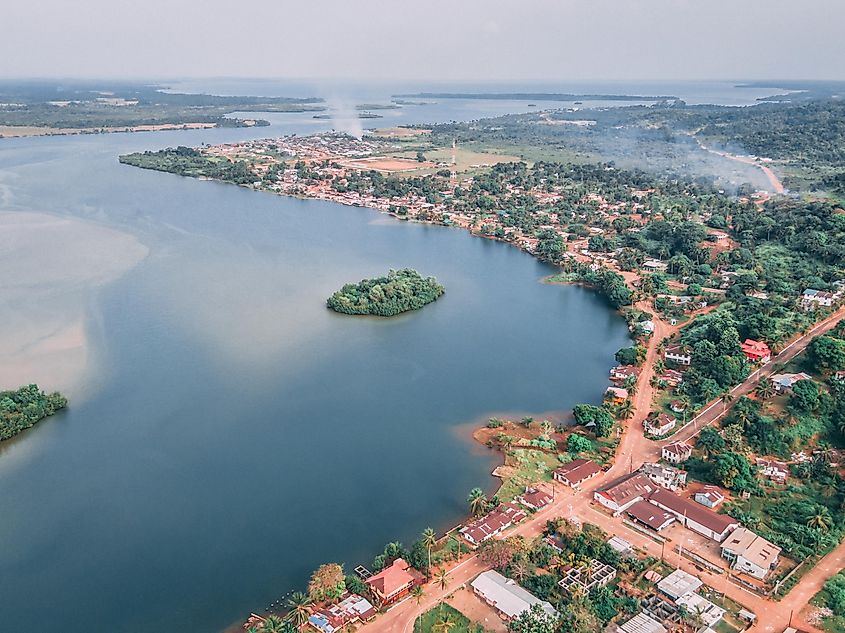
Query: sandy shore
x=50 y=267
x=17 y=131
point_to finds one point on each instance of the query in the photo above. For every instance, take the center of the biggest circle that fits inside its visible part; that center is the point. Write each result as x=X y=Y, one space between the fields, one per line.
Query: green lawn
x=427 y=622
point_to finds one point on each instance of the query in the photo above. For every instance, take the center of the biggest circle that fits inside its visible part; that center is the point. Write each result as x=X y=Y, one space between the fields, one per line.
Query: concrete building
x=507 y=597
x=750 y=553
x=624 y=492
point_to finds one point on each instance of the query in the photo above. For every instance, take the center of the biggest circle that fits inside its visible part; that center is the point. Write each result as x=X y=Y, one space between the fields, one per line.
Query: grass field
x=427 y=622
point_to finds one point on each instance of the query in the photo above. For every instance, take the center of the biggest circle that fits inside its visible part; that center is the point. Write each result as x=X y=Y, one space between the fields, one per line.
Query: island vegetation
x=400 y=291
x=24 y=407
x=87 y=106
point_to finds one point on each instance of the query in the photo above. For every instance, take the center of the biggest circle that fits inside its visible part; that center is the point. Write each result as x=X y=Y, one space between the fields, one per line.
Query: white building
x=507 y=597
x=641 y=623
x=665 y=476
x=679 y=583
x=678 y=354
x=814 y=299
x=676 y=453
x=750 y=553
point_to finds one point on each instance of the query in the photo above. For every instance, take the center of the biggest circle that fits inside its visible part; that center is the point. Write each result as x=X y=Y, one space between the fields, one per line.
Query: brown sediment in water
x=51 y=264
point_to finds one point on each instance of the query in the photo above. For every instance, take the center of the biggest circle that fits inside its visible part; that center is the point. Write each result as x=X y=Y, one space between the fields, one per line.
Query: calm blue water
x=236 y=433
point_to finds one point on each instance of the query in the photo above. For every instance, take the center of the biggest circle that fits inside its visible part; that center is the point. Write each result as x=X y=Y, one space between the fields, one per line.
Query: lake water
x=231 y=433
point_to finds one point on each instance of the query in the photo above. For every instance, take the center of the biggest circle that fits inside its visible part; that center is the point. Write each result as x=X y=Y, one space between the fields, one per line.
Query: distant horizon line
x=770 y=82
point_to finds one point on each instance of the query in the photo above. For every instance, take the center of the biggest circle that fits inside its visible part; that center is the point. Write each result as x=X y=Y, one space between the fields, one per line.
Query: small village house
x=493 y=523
x=393 y=582
x=756 y=351
x=709 y=496
x=783 y=383
x=678 y=354
x=660 y=424
x=650 y=516
x=750 y=553
x=773 y=470
x=534 y=499
x=576 y=472
x=676 y=453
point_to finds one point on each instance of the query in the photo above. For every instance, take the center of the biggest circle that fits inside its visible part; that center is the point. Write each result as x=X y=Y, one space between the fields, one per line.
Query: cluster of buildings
x=662 y=612
x=506 y=515
x=648 y=498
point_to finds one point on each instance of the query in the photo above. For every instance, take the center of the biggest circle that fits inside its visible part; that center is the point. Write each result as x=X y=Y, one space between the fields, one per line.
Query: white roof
x=679 y=583
x=507 y=596
x=641 y=623
x=709 y=612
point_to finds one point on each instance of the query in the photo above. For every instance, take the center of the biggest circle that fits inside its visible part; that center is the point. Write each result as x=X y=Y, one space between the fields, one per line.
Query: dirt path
x=774 y=181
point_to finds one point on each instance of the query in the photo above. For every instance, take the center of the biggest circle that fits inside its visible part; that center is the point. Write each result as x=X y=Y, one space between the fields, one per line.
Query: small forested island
x=400 y=291
x=21 y=409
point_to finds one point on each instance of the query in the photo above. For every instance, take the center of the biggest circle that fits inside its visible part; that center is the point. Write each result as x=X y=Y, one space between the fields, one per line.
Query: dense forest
x=400 y=291
x=21 y=409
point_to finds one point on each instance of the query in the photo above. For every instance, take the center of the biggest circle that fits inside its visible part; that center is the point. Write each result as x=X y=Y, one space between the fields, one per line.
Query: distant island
x=531 y=96
x=400 y=291
x=43 y=108
x=21 y=409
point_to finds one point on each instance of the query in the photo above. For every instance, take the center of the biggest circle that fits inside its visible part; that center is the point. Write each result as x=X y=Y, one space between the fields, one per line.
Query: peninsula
x=400 y=291
x=24 y=407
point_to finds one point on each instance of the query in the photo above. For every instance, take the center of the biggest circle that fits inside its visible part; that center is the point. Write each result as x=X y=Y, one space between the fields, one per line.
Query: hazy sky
x=425 y=39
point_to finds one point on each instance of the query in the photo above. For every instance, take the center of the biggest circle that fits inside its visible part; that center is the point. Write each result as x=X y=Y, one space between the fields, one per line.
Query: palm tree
x=442 y=578
x=726 y=397
x=273 y=624
x=300 y=608
x=821 y=520
x=765 y=389
x=546 y=427
x=506 y=440
x=429 y=540
x=444 y=624
x=417 y=593
x=626 y=410
x=477 y=501
x=527 y=421
x=520 y=570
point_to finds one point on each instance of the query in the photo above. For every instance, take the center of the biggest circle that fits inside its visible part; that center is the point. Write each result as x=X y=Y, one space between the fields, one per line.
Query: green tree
x=477 y=502
x=710 y=441
x=827 y=354
x=327 y=583
x=578 y=444
x=429 y=540
x=299 y=605
x=733 y=471
x=533 y=620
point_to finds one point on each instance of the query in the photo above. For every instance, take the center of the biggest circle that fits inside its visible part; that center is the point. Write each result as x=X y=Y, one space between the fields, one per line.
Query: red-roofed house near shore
x=756 y=351
x=576 y=472
x=534 y=499
x=493 y=523
x=394 y=582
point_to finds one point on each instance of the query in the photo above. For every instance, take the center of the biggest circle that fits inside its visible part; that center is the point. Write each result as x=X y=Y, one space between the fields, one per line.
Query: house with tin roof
x=576 y=472
x=506 y=596
x=750 y=553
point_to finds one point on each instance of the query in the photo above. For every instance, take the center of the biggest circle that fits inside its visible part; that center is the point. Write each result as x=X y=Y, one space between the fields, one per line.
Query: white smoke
x=345 y=117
